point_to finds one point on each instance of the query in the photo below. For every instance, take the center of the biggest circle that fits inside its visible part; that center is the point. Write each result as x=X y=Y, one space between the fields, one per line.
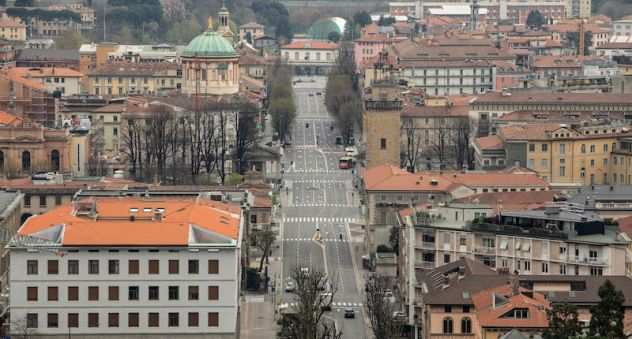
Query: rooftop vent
x=434 y=182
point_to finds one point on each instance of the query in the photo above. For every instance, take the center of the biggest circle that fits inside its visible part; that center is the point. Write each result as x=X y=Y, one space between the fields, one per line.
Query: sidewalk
x=257 y=317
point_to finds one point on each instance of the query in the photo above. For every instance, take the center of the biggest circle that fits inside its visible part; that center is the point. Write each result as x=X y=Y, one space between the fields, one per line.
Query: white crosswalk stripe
x=334 y=220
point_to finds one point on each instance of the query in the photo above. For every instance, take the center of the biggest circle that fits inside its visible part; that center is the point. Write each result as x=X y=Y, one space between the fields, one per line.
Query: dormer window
x=517 y=313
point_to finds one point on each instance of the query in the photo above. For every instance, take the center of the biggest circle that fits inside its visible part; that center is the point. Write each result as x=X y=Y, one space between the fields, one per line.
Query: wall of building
x=382 y=137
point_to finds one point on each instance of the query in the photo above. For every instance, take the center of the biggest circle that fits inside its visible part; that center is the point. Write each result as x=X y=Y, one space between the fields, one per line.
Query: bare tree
x=439 y=141
x=263 y=241
x=311 y=303
x=461 y=143
x=246 y=135
x=380 y=309
x=412 y=150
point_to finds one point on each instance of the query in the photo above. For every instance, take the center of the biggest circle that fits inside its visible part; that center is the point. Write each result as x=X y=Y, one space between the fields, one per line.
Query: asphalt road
x=319 y=205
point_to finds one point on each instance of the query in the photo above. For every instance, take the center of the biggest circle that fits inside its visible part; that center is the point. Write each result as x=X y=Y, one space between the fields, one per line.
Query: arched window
x=26 y=161
x=1 y=161
x=54 y=160
x=448 y=327
x=466 y=325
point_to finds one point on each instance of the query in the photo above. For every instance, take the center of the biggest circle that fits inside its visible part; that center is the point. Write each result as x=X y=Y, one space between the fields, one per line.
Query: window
x=596 y=271
x=174 y=293
x=26 y=161
x=531 y=147
x=517 y=313
x=53 y=293
x=93 y=319
x=154 y=267
x=605 y=148
x=194 y=293
x=31 y=267
x=194 y=319
x=466 y=325
x=73 y=266
x=154 y=292
x=544 y=163
x=174 y=266
x=133 y=293
x=113 y=320
x=592 y=148
x=446 y=258
x=113 y=293
x=174 y=319
x=132 y=319
x=562 y=148
x=93 y=293
x=31 y=293
x=489 y=242
x=545 y=267
x=27 y=200
x=447 y=325
x=545 y=147
x=213 y=319
x=115 y=131
x=194 y=267
x=213 y=266
x=113 y=266
x=52 y=320
x=447 y=308
x=462 y=241
x=530 y=163
x=31 y=320
x=93 y=266
x=213 y=293
x=153 y=319
x=132 y=266
x=382 y=143
x=73 y=320
x=563 y=269
x=466 y=308
x=53 y=267
x=527 y=266
x=42 y=201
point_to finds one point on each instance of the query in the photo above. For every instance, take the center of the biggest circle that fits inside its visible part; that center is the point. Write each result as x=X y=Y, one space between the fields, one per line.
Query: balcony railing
x=587 y=261
x=485 y=250
x=516 y=230
x=426 y=245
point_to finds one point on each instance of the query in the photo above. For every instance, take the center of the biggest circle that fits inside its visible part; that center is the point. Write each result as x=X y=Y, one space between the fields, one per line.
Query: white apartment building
x=310 y=56
x=450 y=77
x=129 y=268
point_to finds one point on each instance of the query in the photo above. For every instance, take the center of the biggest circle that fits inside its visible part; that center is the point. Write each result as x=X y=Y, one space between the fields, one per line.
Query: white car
x=351 y=151
x=305 y=270
x=290 y=286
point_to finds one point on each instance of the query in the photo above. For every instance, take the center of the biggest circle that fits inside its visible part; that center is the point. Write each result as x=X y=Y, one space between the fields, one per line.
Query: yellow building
x=122 y=79
x=12 y=29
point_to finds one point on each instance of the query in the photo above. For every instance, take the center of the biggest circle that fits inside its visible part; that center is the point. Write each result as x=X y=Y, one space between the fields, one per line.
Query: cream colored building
x=122 y=79
x=12 y=29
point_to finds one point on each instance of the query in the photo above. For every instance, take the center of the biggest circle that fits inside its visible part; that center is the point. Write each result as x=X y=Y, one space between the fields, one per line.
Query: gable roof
x=392 y=178
x=492 y=314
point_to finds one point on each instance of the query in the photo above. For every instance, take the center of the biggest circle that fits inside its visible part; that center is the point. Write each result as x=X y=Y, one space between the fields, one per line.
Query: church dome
x=209 y=44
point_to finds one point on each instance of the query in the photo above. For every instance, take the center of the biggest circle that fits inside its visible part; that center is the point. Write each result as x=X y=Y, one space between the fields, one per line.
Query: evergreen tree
x=563 y=322
x=362 y=18
x=607 y=316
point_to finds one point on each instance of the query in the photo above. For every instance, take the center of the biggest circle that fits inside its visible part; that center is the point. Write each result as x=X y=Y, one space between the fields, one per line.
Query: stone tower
x=382 y=126
x=224 y=23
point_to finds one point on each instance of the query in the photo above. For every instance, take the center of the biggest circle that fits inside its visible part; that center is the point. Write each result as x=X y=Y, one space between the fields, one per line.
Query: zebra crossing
x=334 y=220
x=333 y=304
x=324 y=181
x=310 y=170
x=319 y=205
x=310 y=239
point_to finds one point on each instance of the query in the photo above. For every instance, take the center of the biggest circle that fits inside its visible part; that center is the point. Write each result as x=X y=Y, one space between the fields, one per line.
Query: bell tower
x=224 y=23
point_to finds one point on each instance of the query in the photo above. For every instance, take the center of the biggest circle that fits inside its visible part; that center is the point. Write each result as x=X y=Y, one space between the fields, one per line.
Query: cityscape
x=294 y=169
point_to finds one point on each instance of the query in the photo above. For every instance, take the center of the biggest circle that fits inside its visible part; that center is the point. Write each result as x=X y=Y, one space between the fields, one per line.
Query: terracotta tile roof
x=625 y=225
x=528 y=131
x=112 y=108
x=392 y=178
x=435 y=111
x=8 y=119
x=11 y=23
x=492 y=142
x=44 y=72
x=310 y=44
x=552 y=61
x=496 y=179
x=510 y=200
x=491 y=313
x=112 y=224
x=251 y=59
x=556 y=98
x=445 y=63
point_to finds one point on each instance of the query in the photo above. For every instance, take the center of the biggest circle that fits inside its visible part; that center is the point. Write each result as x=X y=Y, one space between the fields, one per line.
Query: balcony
x=516 y=231
x=587 y=261
x=426 y=245
x=485 y=250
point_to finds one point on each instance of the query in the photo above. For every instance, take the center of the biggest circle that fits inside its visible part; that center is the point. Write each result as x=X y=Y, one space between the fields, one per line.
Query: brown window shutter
x=93 y=293
x=31 y=293
x=154 y=267
x=194 y=319
x=73 y=293
x=213 y=293
x=213 y=266
x=53 y=267
x=174 y=267
x=53 y=293
x=213 y=319
x=133 y=267
x=113 y=292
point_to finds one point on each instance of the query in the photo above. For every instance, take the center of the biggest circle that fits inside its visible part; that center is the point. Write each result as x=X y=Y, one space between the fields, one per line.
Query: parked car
x=351 y=151
x=349 y=313
x=290 y=286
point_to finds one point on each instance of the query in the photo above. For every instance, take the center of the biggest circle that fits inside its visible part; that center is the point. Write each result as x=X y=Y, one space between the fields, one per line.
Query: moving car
x=351 y=151
x=345 y=163
x=349 y=313
x=290 y=286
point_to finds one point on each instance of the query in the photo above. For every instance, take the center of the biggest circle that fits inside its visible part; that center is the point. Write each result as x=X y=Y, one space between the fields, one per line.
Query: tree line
x=187 y=147
x=281 y=105
x=42 y=14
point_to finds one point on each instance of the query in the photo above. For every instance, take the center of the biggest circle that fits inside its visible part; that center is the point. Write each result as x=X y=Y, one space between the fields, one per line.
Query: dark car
x=349 y=313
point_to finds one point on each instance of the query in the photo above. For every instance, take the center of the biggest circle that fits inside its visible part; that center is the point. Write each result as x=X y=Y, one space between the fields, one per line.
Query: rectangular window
x=53 y=293
x=545 y=267
x=174 y=266
x=562 y=148
x=545 y=147
x=73 y=266
x=27 y=200
x=52 y=320
x=113 y=293
x=153 y=319
x=31 y=293
x=154 y=292
x=73 y=320
x=194 y=319
x=113 y=320
x=154 y=266
x=93 y=266
x=194 y=267
x=531 y=147
x=382 y=143
x=73 y=293
x=93 y=293
x=31 y=320
x=31 y=267
x=213 y=266
x=132 y=319
x=93 y=319
x=133 y=293
x=42 y=201
x=466 y=308
x=174 y=319
x=174 y=293
x=115 y=131
x=113 y=266
x=194 y=293
x=213 y=319
x=213 y=293
x=53 y=267
x=133 y=266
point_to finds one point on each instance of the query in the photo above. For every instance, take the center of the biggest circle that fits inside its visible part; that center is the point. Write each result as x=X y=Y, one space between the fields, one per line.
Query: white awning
x=503 y=244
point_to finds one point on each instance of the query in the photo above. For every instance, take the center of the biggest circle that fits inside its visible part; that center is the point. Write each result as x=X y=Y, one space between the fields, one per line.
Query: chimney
x=513 y=280
x=132 y=213
x=157 y=215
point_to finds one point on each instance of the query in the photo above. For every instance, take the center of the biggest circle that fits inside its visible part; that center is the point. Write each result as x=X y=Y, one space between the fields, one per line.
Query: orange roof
x=492 y=142
x=310 y=44
x=8 y=119
x=112 y=226
x=44 y=72
x=491 y=312
x=497 y=178
x=392 y=178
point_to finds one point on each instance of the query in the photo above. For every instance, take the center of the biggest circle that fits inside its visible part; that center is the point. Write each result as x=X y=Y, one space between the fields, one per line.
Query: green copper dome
x=209 y=44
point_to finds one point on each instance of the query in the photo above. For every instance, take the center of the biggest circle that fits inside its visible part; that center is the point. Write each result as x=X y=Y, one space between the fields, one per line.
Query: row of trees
x=606 y=320
x=342 y=96
x=42 y=14
x=179 y=147
x=281 y=106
